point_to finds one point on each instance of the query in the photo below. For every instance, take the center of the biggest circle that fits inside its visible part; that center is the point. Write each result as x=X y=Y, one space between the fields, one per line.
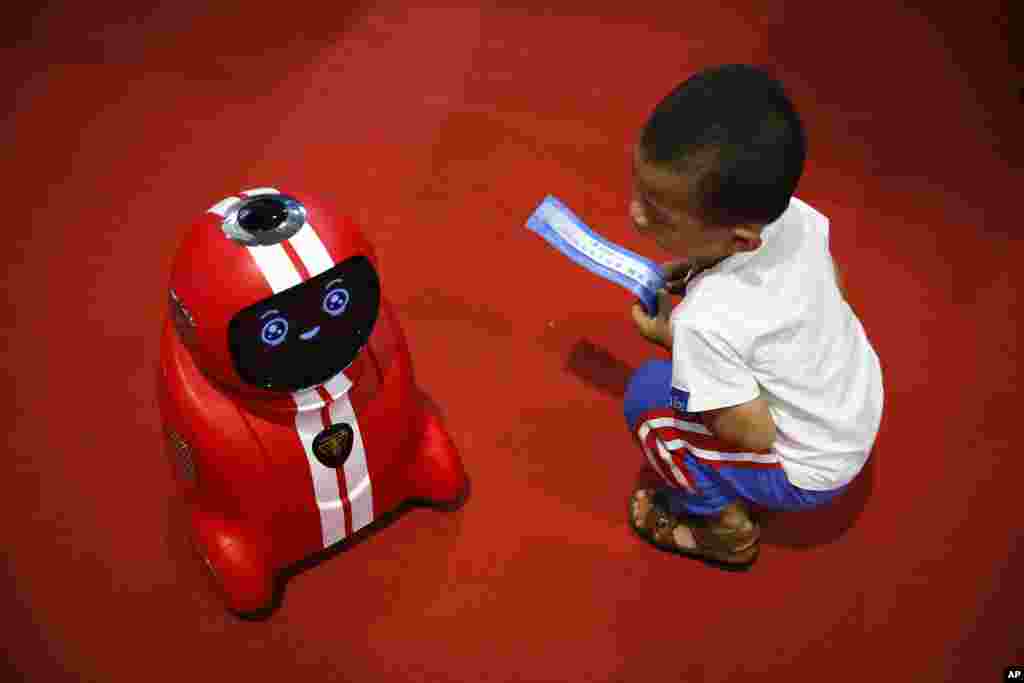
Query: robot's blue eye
x=274 y=331
x=336 y=301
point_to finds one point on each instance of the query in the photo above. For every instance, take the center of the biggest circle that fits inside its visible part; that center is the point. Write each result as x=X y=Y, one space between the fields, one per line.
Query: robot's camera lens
x=265 y=213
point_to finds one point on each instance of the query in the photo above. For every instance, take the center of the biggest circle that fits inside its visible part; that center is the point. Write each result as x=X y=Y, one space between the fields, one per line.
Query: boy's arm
x=748 y=425
x=709 y=371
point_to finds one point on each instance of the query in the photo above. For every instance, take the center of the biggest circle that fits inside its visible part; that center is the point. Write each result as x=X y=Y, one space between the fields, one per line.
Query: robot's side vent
x=183 y=456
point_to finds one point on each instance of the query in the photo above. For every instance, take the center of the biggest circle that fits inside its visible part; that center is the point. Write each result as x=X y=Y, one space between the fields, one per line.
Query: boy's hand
x=657 y=329
x=675 y=273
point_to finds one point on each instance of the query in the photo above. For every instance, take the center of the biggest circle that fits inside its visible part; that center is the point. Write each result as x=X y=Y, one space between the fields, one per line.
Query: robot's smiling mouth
x=309 y=334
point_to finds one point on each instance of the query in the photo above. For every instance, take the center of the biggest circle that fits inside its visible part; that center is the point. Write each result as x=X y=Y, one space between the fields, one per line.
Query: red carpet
x=443 y=128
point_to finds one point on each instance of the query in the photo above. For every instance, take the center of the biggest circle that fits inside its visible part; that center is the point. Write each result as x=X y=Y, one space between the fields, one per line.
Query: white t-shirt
x=773 y=322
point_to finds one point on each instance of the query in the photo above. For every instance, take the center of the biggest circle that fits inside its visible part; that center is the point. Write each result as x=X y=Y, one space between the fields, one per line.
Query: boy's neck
x=700 y=265
x=703 y=264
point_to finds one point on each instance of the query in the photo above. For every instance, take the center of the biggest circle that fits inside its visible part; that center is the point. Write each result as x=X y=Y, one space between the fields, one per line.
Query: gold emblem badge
x=333 y=445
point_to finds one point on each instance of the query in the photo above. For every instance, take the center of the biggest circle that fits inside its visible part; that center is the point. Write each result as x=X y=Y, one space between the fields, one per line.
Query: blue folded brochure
x=563 y=230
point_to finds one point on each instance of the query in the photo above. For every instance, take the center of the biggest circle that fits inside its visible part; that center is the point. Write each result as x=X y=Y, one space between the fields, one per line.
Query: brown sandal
x=731 y=548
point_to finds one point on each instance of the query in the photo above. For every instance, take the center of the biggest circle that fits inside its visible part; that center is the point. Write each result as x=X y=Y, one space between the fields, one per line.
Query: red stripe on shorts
x=660 y=466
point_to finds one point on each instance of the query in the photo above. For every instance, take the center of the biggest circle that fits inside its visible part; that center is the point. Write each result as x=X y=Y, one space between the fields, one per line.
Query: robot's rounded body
x=289 y=406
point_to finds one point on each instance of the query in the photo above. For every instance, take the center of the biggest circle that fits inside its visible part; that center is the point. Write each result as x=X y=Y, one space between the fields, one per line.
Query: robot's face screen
x=307 y=334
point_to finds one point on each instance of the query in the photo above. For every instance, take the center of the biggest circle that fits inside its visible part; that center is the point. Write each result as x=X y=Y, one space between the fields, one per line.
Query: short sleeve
x=707 y=372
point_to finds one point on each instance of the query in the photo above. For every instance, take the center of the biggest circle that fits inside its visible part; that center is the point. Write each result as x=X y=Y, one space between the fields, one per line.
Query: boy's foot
x=731 y=539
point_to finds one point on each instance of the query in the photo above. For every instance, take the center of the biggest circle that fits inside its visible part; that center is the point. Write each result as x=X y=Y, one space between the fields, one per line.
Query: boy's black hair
x=736 y=135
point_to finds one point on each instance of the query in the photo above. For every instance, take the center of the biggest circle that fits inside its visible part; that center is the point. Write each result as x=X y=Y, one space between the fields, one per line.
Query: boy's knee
x=647 y=389
x=653 y=373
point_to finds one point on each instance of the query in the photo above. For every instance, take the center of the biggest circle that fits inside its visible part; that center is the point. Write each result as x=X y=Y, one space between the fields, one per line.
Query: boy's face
x=660 y=209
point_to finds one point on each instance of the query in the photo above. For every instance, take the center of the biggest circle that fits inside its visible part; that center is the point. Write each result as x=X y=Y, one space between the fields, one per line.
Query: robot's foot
x=437 y=475
x=238 y=569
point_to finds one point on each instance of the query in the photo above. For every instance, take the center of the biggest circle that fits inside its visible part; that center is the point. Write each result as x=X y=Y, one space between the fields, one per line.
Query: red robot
x=286 y=390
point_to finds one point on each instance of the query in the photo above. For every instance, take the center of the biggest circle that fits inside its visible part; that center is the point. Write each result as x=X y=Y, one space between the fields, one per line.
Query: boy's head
x=719 y=158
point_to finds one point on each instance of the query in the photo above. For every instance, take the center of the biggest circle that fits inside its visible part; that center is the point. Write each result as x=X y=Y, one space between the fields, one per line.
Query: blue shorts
x=704 y=473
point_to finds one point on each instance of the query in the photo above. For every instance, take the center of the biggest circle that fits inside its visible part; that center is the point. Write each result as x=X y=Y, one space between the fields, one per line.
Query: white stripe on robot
x=276 y=267
x=325 y=480
x=338 y=385
x=357 y=474
x=311 y=250
x=309 y=399
x=222 y=207
x=317 y=259
x=281 y=273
